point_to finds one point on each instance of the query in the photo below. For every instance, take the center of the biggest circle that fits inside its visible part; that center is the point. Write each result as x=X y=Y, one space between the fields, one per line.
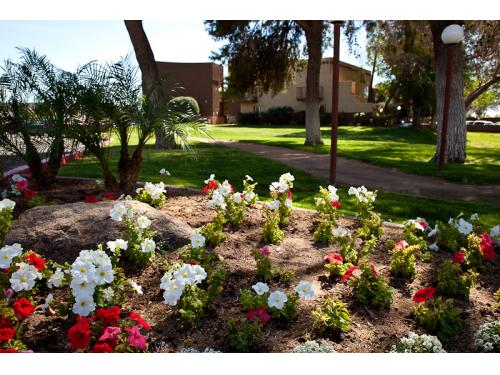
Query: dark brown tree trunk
x=129 y=168
x=314 y=39
x=417 y=114
x=457 y=130
x=149 y=70
x=371 y=90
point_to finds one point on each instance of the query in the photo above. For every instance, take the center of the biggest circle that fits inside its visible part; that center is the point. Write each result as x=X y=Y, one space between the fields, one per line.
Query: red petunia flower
x=212 y=185
x=79 y=334
x=92 y=198
x=35 y=261
x=374 y=271
x=333 y=258
x=110 y=196
x=103 y=347
x=335 y=204
x=260 y=314
x=22 y=308
x=192 y=262
x=487 y=246
x=22 y=185
x=265 y=250
x=140 y=321
x=423 y=295
x=9 y=350
x=5 y=322
x=6 y=334
x=459 y=257
x=348 y=273
x=108 y=316
x=290 y=194
x=400 y=245
x=29 y=194
x=423 y=224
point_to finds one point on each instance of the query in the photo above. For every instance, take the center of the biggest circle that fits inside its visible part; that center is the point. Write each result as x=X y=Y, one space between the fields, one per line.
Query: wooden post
x=444 y=129
x=335 y=102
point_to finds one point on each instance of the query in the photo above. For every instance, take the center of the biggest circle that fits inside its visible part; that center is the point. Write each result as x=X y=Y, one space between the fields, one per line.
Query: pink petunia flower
x=110 y=333
x=135 y=338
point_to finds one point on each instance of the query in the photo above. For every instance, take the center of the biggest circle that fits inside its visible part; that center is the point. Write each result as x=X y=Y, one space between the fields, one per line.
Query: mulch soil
x=372 y=330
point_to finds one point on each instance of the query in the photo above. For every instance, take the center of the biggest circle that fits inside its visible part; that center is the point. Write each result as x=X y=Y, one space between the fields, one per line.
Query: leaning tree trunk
x=149 y=70
x=314 y=38
x=457 y=130
x=417 y=114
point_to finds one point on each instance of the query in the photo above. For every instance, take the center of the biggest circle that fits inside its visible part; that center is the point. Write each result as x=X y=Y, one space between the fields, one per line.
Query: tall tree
x=150 y=75
x=263 y=56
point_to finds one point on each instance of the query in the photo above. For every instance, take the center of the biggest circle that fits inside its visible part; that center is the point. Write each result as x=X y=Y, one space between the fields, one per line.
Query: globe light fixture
x=452 y=34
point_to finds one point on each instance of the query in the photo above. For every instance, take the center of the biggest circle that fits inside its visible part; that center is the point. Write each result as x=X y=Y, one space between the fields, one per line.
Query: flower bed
x=372 y=329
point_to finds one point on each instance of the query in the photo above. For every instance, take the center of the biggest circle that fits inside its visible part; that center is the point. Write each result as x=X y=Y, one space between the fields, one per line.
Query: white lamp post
x=451 y=36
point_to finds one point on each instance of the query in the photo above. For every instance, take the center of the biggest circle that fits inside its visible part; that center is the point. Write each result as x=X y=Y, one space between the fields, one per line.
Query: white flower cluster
x=165 y=172
x=117 y=244
x=155 y=191
x=340 y=232
x=314 y=347
x=176 y=279
x=9 y=252
x=362 y=194
x=463 y=226
x=13 y=185
x=217 y=200
x=7 y=203
x=120 y=211
x=274 y=205
x=56 y=279
x=332 y=196
x=92 y=268
x=495 y=231
x=277 y=299
x=416 y=222
x=488 y=336
x=24 y=278
x=197 y=240
x=414 y=343
x=218 y=197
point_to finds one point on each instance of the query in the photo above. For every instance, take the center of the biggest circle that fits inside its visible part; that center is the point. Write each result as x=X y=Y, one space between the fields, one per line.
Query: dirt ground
x=372 y=330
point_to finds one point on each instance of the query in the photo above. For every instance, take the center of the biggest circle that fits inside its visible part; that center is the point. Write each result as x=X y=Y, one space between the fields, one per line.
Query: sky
x=69 y=44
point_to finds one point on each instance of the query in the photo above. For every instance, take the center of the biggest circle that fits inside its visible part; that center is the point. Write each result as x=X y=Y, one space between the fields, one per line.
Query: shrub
x=286 y=310
x=371 y=223
x=488 y=336
x=449 y=237
x=6 y=209
x=414 y=343
x=451 y=281
x=314 y=347
x=473 y=253
x=242 y=335
x=368 y=246
x=271 y=232
x=439 y=317
x=369 y=288
x=184 y=104
x=331 y=315
x=213 y=231
x=278 y=115
x=497 y=298
x=347 y=242
x=281 y=192
x=335 y=264
x=403 y=262
x=326 y=206
x=265 y=269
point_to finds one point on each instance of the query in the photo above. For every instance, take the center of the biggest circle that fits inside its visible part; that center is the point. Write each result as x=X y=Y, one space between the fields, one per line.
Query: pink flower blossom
x=265 y=250
x=22 y=185
x=110 y=333
x=401 y=245
x=135 y=338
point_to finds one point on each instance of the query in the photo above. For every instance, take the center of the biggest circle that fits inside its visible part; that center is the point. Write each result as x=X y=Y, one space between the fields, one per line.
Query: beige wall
x=352 y=87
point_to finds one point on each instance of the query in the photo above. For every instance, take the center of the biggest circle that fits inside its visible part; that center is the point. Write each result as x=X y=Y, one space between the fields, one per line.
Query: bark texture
x=457 y=130
x=314 y=37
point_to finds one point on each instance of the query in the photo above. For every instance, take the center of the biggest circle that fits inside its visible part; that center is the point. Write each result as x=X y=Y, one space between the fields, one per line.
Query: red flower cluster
x=35 y=261
x=423 y=295
x=29 y=194
x=140 y=321
x=79 y=333
x=22 y=185
x=423 y=224
x=110 y=196
x=108 y=316
x=487 y=246
x=333 y=258
x=335 y=204
x=260 y=314
x=92 y=198
x=348 y=273
x=22 y=308
x=7 y=331
x=459 y=257
x=212 y=185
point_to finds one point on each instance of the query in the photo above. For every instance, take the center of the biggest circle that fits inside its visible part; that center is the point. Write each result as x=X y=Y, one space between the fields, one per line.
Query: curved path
x=356 y=173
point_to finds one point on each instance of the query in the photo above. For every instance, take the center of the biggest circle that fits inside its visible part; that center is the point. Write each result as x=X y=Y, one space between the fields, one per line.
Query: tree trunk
x=457 y=130
x=371 y=90
x=149 y=70
x=314 y=38
x=417 y=114
x=478 y=91
x=129 y=169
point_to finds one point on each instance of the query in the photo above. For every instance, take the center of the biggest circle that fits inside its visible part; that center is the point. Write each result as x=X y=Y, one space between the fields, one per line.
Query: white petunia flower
x=185 y=274
x=274 y=205
x=172 y=292
x=304 y=290
x=117 y=212
x=248 y=178
x=9 y=252
x=495 y=231
x=48 y=299
x=199 y=273
x=117 y=244
x=249 y=196
x=56 y=279
x=137 y=288
x=82 y=288
x=340 y=232
x=83 y=269
x=277 y=299
x=84 y=306
x=288 y=179
x=474 y=217
x=24 y=278
x=225 y=188
x=211 y=178
x=165 y=172
x=217 y=200
x=434 y=232
x=434 y=246
x=288 y=203
x=104 y=274
x=197 y=240
x=260 y=288
x=143 y=222
x=7 y=203
x=236 y=197
x=108 y=294
x=464 y=227
x=148 y=246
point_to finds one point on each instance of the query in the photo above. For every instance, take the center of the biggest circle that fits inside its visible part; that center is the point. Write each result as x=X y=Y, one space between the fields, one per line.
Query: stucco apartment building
x=353 y=91
x=202 y=81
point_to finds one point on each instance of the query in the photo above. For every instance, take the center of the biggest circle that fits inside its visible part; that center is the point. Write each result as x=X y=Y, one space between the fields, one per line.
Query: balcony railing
x=301 y=93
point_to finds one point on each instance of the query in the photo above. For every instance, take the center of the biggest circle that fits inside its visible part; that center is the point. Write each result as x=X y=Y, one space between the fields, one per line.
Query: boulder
x=59 y=232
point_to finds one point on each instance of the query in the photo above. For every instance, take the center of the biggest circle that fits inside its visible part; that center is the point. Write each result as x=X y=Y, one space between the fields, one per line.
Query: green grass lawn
x=190 y=170
x=404 y=148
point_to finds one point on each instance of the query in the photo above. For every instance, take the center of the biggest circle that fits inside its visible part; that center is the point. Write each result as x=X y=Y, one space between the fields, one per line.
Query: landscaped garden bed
x=374 y=327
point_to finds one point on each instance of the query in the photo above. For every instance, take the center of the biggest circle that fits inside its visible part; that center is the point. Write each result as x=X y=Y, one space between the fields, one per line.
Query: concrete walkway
x=356 y=173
